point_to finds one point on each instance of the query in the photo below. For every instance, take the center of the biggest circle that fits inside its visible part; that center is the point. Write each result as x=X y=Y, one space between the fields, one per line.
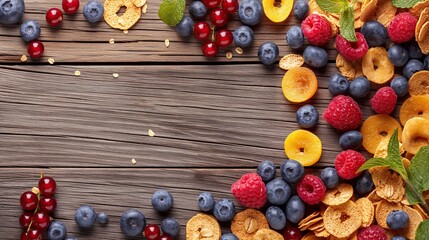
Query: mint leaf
x=332 y=6
x=347 y=21
x=171 y=11
x=422 y=232
x=418 y=171
x=411 y=197
x=374 y=162
x=404 y=3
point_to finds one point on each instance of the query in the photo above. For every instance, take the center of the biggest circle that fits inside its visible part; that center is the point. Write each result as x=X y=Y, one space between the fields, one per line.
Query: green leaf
x=332 y=6
x=347 y=28
x=418 y=171
x=374 y=162
x=171 y=11
x=411 y=197
x=405 y=3
x=422 y=232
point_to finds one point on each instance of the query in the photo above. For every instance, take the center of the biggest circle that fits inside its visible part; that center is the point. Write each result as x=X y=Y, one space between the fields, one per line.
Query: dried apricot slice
x=415 y=134
x=376 y=65
x=376 y=128
x=304 y=147
x=277 y=11
x=299 y=84
x=419 y=83
x=341 y=221
x=416 y=106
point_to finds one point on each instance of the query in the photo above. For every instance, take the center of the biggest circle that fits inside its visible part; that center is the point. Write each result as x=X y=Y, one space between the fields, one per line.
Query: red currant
x=47 y=204
x=54 y=17
x=47 y=186
x=34 y=234
x=152 y=232
x=218 y=17
x=41 y=220
x=25 y=219
x=35 y=49
x=29 y=201
x=70 y=6
x=211 y=3
x=202 y=30
x=24 y=236
x=209 y=49
x=165 y=237
x=224 y=38
x=230 y=6
x=292 y=233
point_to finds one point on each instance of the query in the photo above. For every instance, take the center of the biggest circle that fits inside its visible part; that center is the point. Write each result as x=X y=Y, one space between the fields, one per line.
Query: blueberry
x=85 y=216
x=224 y=210
x=206 y=201
x=170 y=226
x=30 y=30
x=295 y=209
x=132 y=223
x=338 y=84
x=360 y=87
x=300 y=9
x=250 y=12
x=162 y=200
x=364 y=183
x=307 y=116
x=197 y=9
x=93 y=11
x=57 y=230
x=375 y=33
x=243 y=36
x=329 y=177
x=412 y=67
x=291 y=171
x=400 y=86
x=398 y=55
x=295 y=37
x=351 y=140
x=398 y=238
x=102 y=218
x=315 y=56
x=229 y=236
x=278 y=191
x=426 y=63
x=11 y=11
x=185 y=27
x=266 y=170
x=276 y=218
x=268 y=53
x=397 y=219
x=414 y=50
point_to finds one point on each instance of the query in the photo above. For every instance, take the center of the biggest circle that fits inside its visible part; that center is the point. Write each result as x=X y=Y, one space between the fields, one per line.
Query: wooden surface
x=213 y=119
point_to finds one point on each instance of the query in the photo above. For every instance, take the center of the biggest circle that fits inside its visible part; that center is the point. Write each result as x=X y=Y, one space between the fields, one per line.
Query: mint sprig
x=423 y=230
x=332 y=6
x=171 y=11
x=347 y=24
x=404 y=3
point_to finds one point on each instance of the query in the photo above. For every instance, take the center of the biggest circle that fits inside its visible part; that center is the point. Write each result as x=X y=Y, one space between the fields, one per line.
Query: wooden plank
x=78 y=41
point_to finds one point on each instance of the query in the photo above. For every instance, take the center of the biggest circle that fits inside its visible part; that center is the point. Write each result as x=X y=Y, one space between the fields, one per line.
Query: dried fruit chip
x=389 y=185
x=415 y=134
x=422 y=19
x=383 y=209
x=246 y=223
x=304 y=223
x=419 y=82
x=130 y=17
x=203 y=225
x=322 y=233
x=418 y=8
x=381 y=150
x=291 y=61
x=341 y=221
x=376 y=65
x=367 y=209
x=310 y=223
x=415 y=106
x=385 y=12
x=299 y=84
x=374 y=198
x=421 y=211
x=423 y=38
x=303 y=146
x=338 y=195
x=369 y=8
x=376 y=128
x=311 y=236
x=267 y=234
x=348 y=69
x=415 y=220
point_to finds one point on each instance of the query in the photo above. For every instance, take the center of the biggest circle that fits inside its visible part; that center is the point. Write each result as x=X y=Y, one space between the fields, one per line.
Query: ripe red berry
x=28 y=201
x=316 y=29
x=202 y=30
x=23 y=236
x=54 y=17
x=230 y=6
x=292 y=233
x=218 y=17
x=311 y=189
x=165 y=237
x=47 y=204
x=372 y=232
x=25 y=219
x=224 y=38
x=211 y=3
x=348 y=162
x=34 y=234
x=70 y=6
x=401 y=29
x=41 y=220
x=352 y=50
x=47 y=186
x=152 y=232
x=35 y=49
x=210 y=49
x=384 y=100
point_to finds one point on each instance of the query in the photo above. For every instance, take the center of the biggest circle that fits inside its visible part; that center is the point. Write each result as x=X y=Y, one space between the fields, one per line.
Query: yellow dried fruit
x=415 y=106
x=415 y=134
x=376 y=65
x=376 y=128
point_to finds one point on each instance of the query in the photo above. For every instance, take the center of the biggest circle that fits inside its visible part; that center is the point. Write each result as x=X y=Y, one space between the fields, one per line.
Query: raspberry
x=316 y=29
x=250 y=191
x=401 y=28
x=348 y=162
x=311 y=189
x=343 y=113
x=384 y=100
x=352 y=50
x=372 y=232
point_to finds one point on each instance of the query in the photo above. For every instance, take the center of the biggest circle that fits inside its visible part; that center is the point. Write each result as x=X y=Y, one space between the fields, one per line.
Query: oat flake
x=77 y=73
x=112 y=41
x=115 y=75
x=167 y=43
x=144 y=8
x=229 y=55
x=150 y=133
x=239 y=50
x=51 y=61
x=23 y=58
x=133 y=161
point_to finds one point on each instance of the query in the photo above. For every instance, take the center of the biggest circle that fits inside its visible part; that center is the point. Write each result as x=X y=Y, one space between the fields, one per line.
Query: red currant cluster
x=54 y=17
x=39 y=205
x=153 y=232
x=217 y=35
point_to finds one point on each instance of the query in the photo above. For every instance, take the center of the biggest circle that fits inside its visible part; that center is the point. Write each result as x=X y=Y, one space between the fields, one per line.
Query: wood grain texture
x=78 y=41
